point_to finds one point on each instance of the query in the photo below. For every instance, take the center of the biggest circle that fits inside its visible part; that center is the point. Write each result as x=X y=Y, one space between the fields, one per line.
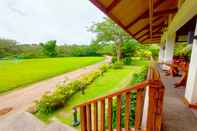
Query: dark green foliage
x=7 y=48
x=123 y=109
x=78 y=50
x=10 y=49
x=49 y=48
x=141 y=76
x=183 y=50
x=137 y=78
x=114 y=59
x=53 y=101
x=129 y=48
x=146 y=51
x=127 y=60
x=28 y=51
x=154 y=49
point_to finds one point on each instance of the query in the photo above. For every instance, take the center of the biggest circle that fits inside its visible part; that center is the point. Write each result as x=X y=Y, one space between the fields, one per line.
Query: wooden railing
x=97 y=114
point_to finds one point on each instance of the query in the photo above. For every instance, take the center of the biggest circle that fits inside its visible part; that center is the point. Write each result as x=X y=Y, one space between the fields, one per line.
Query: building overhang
x=147 y=20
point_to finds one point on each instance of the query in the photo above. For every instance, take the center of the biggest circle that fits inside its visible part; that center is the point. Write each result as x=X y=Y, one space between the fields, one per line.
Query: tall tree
x=49 y=48
x=108 y=32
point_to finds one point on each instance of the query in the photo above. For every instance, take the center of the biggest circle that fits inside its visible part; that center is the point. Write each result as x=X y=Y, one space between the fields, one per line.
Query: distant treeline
x=10 y=49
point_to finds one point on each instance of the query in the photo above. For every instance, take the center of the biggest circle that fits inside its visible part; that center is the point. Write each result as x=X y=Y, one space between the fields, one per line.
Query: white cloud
x=30 y=21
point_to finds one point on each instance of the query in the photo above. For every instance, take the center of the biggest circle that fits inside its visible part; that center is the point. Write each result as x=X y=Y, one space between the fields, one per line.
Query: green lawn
x=18 y=73
x=111 y=81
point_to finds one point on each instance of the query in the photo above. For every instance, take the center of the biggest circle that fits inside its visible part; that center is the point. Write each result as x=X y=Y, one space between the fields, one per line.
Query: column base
x=190 y=105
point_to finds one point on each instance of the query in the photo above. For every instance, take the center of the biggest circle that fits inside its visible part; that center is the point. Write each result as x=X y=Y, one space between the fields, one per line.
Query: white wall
x=191 y=88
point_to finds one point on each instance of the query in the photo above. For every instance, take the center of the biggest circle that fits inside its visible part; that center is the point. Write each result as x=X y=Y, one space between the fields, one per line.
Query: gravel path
x=19 y=100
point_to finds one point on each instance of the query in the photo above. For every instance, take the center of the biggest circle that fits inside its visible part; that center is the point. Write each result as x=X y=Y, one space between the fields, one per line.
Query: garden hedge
x=50 y=102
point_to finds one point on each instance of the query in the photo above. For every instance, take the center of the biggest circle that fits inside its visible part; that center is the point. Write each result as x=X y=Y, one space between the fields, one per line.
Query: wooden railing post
x=83 y=118
x=156 y=93
x=127 y=112
x=89 y=117
x=138 y=112
x=109 y=114
x=102 y=122
x=95 y=116
x=118 y=114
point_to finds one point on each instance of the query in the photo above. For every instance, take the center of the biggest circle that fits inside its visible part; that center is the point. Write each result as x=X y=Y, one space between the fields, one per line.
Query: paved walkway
x=19 y=100
x=177 y=116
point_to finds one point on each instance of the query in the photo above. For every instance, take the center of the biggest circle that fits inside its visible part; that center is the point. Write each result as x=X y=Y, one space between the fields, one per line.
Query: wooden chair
x=183 y=80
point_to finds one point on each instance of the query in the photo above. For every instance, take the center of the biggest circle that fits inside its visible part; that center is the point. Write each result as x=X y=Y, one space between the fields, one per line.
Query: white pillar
x=169 y=48
x=161 y=53
x=191 y=88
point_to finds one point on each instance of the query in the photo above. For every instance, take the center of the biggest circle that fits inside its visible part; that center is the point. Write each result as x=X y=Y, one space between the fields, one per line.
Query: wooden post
x=138 y=112
x=127 y=112
x=83 y=118
x=95 y=116
x=118 y=113
x=156 y=94
x=109 y=115
x=89 y=118
x=102 y=128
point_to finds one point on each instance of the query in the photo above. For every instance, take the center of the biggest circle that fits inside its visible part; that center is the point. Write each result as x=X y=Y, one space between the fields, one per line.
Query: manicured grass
x=18 y=73
x=111 y=81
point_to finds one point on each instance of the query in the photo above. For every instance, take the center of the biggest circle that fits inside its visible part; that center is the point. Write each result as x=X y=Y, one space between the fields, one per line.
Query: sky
x=34 y=21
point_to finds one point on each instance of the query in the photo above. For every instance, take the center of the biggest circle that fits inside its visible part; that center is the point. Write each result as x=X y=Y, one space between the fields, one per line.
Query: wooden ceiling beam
x=144 y=38
x=113 y=4
x=146 y=33
x=162 y=13
x=147 y=26
x=146 y=13
x=156 y=36
x=153 y=40
x=157 y=30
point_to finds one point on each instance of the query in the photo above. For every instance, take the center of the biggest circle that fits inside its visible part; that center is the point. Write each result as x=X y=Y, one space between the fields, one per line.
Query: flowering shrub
x=50 y=102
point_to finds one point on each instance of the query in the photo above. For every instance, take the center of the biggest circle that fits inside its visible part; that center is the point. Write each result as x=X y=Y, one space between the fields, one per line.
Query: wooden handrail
x=93 y=112
x=135 y=87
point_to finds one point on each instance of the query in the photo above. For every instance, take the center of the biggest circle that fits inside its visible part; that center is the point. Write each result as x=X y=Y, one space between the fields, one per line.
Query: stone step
x=25 y=121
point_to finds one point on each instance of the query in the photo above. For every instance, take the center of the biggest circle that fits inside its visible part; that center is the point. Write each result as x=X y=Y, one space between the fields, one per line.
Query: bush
x=127 y=61
x=138 y=77
x=123 y=109
x=141 y=76
x=114 y=59
x=117 y=65
x=50 y=102
x=104 y=67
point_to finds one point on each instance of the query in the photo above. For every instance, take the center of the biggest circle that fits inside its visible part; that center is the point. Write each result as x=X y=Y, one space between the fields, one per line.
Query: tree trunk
x=118 y=52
